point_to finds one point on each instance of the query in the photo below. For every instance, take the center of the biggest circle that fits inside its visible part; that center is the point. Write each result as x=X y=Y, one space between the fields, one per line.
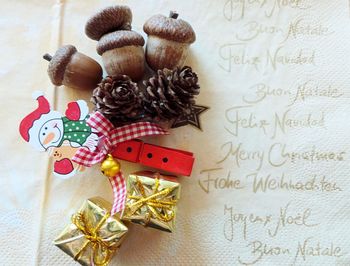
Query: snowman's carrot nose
x=48 y=138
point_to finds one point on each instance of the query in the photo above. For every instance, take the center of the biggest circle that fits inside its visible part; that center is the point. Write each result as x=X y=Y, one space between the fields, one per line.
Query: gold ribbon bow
x=160 y=208
x=96 y=242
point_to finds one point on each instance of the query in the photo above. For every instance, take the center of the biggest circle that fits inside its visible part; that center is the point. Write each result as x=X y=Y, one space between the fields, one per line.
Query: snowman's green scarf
x=75 y=131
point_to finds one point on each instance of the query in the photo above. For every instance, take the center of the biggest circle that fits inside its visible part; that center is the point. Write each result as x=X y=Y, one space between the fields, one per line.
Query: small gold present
x=151 y=200
x=93 y=236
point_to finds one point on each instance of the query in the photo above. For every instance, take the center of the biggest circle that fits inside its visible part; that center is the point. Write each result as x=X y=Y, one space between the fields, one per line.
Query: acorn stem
x=173 y=14
x=47 y=57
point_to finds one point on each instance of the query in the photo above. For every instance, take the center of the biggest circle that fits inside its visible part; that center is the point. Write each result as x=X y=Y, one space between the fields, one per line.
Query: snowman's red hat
x=31 y=124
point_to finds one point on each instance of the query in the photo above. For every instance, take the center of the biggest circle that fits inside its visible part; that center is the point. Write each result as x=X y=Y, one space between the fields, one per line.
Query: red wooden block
x=128 y=150
x=167 y=159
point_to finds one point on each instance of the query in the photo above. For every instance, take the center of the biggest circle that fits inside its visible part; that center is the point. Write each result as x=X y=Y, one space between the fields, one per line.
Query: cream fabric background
x=35 y=205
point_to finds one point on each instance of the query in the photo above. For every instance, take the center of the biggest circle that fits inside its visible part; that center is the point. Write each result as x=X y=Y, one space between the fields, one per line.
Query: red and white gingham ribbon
x=119 y=192
x=111 y=137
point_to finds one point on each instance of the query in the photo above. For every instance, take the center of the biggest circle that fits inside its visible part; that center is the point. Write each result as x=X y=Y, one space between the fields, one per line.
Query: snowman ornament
x=61 y=136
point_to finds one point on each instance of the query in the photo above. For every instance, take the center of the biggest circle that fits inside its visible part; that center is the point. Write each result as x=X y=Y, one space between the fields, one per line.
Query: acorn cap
x=59 y=62
x=119 y=39
x=170 y=28
x=109 y=19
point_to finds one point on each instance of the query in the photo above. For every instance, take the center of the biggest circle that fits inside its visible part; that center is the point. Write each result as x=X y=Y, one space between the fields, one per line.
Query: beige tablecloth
x=270 y=184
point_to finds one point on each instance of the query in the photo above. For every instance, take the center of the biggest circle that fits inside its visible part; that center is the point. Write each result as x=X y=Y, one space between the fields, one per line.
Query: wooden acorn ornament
x=122 y=53
x=168 y=41
x=121 y=49
x=107 y=20
x=73 y=69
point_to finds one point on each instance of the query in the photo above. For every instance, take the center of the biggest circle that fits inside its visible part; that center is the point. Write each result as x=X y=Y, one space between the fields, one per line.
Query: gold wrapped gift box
x=151 y=200
x=93 y=236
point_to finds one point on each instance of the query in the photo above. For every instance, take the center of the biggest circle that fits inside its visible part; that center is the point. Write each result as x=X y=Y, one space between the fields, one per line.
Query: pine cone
x=169 y=94
x=117 y=98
